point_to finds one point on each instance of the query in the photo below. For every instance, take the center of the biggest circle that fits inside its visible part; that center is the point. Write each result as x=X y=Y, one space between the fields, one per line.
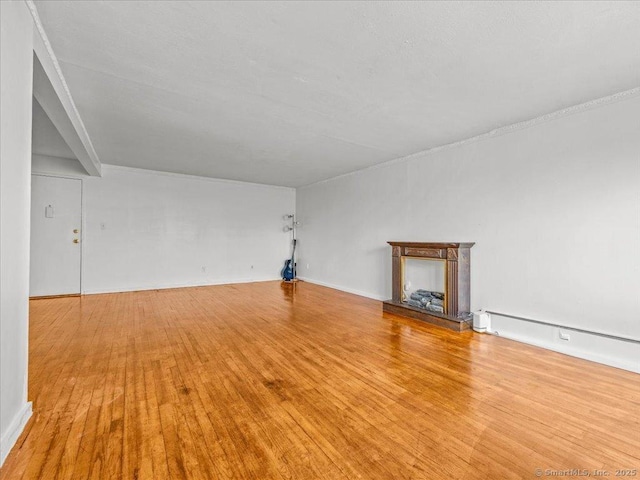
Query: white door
x=56 y=219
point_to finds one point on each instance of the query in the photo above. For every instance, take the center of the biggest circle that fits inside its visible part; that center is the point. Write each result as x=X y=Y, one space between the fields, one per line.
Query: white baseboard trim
x=344 y=289
x=608 y=350
x=10 y=436
x=167 y=286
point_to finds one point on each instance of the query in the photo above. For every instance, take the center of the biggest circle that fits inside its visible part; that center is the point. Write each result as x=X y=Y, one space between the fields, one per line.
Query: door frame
x=82 y=227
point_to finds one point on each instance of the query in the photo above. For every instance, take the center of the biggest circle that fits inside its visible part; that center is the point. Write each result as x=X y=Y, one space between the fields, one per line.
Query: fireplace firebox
x=447 y=305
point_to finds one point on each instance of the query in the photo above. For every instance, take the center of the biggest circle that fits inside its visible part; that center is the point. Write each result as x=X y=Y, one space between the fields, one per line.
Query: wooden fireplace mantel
x=456 y=256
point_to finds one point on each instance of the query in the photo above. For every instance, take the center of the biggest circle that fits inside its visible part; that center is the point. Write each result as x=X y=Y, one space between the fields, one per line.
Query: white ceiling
x=290 y=93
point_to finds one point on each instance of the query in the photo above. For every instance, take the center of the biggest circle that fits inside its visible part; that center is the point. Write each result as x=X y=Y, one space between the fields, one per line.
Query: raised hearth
x=456 y=257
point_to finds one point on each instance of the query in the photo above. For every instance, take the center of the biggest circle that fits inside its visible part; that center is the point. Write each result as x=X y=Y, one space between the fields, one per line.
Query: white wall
x=146 y=229
x=16 y=64
x=66 y=167
x=554 y=210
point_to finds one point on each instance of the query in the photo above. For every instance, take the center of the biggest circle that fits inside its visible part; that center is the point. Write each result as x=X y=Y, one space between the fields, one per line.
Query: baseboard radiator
x=610 y=349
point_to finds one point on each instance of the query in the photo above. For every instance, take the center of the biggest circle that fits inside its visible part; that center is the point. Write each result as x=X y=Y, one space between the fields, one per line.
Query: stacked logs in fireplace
x=427 y=300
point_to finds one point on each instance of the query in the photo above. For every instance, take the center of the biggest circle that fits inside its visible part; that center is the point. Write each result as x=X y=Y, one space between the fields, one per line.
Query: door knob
x=75 y=230
x=75 y=240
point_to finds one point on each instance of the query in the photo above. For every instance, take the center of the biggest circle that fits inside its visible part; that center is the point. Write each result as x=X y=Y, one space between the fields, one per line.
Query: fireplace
x=440 y=296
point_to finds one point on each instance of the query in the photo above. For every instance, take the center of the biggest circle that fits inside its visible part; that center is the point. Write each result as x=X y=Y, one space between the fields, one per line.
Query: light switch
x=48 y=211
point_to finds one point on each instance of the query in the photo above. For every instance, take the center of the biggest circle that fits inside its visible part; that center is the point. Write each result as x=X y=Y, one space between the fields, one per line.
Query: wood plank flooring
x=273 y=381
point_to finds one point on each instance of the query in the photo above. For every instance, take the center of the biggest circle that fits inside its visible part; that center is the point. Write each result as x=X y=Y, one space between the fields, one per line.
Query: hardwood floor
x=272 y=381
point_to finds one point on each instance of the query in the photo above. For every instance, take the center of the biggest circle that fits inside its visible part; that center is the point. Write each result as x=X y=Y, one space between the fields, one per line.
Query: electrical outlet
x=564 y=336
x=307 y=266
